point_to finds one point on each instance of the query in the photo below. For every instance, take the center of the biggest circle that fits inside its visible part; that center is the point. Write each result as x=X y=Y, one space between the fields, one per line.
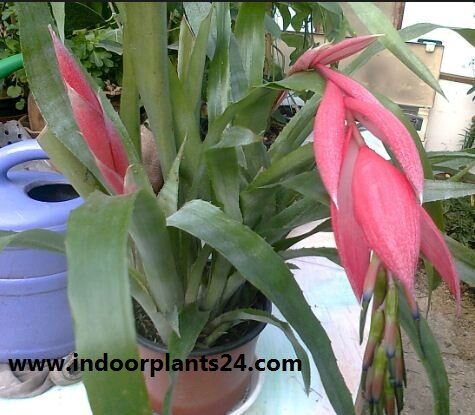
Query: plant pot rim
x=255 y=330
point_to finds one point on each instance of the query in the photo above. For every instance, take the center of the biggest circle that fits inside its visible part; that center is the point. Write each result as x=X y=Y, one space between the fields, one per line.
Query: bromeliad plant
x=194 y=256
x=379 y=224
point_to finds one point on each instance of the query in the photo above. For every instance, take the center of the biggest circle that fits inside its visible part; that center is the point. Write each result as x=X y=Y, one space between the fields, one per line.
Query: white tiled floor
x=327 y=291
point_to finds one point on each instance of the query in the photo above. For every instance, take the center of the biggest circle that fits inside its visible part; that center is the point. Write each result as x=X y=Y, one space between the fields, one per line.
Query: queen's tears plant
x=195 y=256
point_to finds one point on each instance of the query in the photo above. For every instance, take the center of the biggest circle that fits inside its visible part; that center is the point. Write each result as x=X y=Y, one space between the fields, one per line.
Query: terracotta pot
x=203 y=392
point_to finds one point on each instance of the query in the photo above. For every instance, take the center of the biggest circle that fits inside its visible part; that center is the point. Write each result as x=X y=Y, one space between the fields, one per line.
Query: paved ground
x=456 y=338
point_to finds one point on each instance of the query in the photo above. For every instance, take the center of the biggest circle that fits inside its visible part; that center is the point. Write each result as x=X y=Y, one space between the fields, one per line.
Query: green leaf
x=443 y=189
x=238 y=78
x=186 y=126
x=298 y=213
x=237 y=136
x=256 y=117
x=147 y=25
x=251 y=112
x=223 y=171
x=250 y=35
x=141 y=294
x=236 y=316
x=185 y=47
x=286 y=243
x=442 y=156
x=57 y=7
x=296 y=131
x=406 y=34
x=464 y=260
x=219 y=76
x=295 y=162
x=196 y=12
x=428 y=352
x=466 y=33
x=251 y=103
x=285 y=13
x=129 y=98
x=34 y=238
x=332 y=7
x=168 y=196
x=330 y=253
x=377 y=23
x=301 y=81
x=151 y=236
x=262 y=267
x=191 y=322
x=271 y=27
x=309 y=185
x=111 y=46
x=99 y=296
x=14 y=91
x=193 y=82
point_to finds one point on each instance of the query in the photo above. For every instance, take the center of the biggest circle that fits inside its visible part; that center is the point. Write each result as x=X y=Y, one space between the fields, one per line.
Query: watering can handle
x=17 y=153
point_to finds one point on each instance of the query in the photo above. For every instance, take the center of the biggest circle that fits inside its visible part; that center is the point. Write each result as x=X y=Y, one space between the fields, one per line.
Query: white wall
x=448 y=117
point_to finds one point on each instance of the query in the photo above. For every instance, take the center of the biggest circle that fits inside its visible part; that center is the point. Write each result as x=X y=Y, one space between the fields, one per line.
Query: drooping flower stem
x=383 y=374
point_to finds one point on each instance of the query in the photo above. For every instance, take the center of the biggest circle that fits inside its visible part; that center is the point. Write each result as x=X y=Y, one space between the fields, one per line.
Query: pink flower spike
x=344 y=49
x=119 y=156
x=92 y=127
x=71 y=72
x=434 y=248
x=329 y=138
x=349 y=237
x=392 y=132
x=304 y=61
x=113 y=179
x=388 y=212
x=349 y=86
x=97 y=129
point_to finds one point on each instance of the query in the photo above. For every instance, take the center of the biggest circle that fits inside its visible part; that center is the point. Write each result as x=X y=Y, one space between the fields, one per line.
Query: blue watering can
x=35 y=320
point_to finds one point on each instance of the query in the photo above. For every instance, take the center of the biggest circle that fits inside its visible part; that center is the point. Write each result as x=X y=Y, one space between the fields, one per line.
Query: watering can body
x=35 y=320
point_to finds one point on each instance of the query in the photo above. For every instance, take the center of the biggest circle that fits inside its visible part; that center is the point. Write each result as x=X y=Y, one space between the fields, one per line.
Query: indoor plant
x=225 y=198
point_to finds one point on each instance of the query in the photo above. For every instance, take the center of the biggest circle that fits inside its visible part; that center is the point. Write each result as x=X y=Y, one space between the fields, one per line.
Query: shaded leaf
x=96 y=245
x=249 y=32
x=443 y=190
x=34 y=238
x=267 y=272
x=428 y=351
x=464 y=260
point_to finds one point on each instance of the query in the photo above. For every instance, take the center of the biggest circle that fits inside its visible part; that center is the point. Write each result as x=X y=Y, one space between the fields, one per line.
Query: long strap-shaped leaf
x=34 y=238
x=262 y=267
x=100 y=301
x=464 y=260
x=428 y=351
x=153 y=243
x=219 y=76
x=443 y=190
x=147 y=25
x=236 y=316
x=249 y=33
